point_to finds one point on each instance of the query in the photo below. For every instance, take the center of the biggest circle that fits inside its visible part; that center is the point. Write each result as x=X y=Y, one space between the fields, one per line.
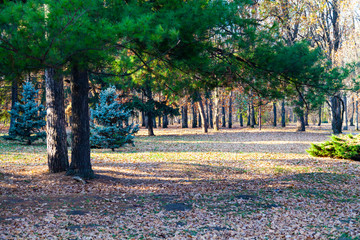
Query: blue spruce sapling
x=108 y=128
x=29 y=117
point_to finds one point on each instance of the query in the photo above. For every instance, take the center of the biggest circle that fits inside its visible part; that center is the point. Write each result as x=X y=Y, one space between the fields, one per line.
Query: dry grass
x=240 y=184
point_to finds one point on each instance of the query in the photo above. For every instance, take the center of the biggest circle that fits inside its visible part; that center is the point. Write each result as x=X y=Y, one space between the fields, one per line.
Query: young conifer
x=108 y=129
x=29 y=117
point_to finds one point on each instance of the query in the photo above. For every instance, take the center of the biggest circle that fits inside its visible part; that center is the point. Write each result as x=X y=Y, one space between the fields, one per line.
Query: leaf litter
x=182 y=184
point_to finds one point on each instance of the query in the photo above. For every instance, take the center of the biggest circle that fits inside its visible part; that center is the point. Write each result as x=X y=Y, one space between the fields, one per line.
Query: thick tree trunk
x=143 y=119
x=230 y=111
x=241 y=120
x=55 y=122
x=165 y=121
x=207 y=112
x=319 y=123
x=14 y=99
x=203 y=116
x=275 y=116
x=300 y=115
x=283 y=114
x=184 y=116
x=337 y=114
x=346 y=127
x=80 y=149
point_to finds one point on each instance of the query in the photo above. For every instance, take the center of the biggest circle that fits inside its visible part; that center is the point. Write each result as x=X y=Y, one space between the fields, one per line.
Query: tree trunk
x=159 y=121
x=352 y=112
x=346 y=127
x=216 y=119
x=283 y=114
x=260 y=117
x=165 y=121
x=194 y=116
x=154 y=122
x=55 y=122
x=319 y=123
x=249 y=115
x=207 y=112
x=306 y=117
x=241 y=120
x=300 y=115
x=200 y=123
x=252 y=117
x=184 y=117
x=14 y=99
x=337 y=114
x=211 y=120
x=223 y=122
x=80 y=149
x=203 y=116
x=274 y=111
x=230 y=111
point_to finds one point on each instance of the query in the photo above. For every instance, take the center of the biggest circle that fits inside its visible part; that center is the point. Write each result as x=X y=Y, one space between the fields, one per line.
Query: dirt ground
x=183 y=184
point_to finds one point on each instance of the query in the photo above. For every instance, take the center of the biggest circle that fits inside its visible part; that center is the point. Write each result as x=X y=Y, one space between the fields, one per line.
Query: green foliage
x=29 y=117
x=347 y=147
x=108 y=119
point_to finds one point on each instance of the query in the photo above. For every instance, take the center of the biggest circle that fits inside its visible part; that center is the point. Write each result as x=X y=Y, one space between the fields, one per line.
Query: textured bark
x=203 y=116
x=337 y=114
x=55 y=122
x=80 y=149
x=283 y=114
x=275 y=116
x=230 y=111
x=207 y=112
x=241 y=120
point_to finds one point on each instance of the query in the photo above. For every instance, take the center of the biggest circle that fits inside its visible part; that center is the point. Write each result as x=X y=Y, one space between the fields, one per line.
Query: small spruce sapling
x=108 y=128
x=29 y=117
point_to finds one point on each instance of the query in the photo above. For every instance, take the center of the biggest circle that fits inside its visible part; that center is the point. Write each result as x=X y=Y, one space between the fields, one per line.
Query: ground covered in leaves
x=182 y=184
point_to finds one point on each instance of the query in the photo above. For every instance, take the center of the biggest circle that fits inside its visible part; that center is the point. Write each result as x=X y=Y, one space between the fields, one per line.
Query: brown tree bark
x=230 y=111
x=80 y=149
x=274 y=112
x=55 y=122
x=337 y=114
x=203 y=116
x=283 y=114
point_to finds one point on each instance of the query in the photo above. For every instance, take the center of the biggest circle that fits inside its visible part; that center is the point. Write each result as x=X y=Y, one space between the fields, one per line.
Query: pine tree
x=107 y=126
x=29 y=117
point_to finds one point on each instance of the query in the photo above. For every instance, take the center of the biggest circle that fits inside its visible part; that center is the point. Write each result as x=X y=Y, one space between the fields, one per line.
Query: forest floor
x=183 y=184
